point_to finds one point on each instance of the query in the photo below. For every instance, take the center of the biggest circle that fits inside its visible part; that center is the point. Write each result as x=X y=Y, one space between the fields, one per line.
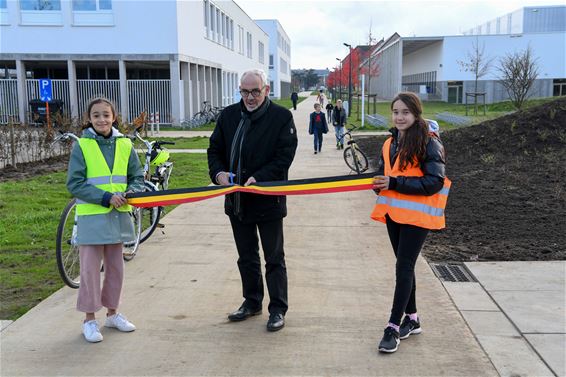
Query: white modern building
x=166 y=56
x=429 y=65
x=279 y=58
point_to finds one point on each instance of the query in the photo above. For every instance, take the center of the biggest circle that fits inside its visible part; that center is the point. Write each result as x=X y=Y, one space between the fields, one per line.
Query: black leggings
x=407 y=241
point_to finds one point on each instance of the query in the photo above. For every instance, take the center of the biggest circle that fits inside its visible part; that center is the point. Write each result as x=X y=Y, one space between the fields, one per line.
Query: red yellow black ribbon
x=308 y=186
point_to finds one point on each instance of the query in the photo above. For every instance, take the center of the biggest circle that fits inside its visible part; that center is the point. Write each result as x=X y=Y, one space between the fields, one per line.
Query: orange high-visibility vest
x=420 y=210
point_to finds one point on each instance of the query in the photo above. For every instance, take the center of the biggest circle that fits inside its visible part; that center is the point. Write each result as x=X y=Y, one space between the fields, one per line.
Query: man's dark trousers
x=249 y=263
x=294 y=105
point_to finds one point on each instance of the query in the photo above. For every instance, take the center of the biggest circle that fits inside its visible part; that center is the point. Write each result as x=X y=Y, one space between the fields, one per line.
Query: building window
x=40 y=5
x=270 y=61
x=211 y=14
x=3 y=4
x=232 y=34
x=283 y=65
x=249 y=45
x=92 y=5
x=260 y=52
x=271 y=89
x=240 y=40
x=41 y=12
x=205 y=15
x=559 y=87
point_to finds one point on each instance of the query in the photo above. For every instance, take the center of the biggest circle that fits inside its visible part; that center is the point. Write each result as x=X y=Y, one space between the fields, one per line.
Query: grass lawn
x=31 y=210
x=198 y=142
x=431 y=108
x=287 y=103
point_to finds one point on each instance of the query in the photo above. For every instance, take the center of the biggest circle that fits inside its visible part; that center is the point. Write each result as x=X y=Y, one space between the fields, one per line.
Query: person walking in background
x=103 y=167
x=412 y=190
x=329 y=108
x=317 y=127
x=339 y=122
x=294 y=99
x=255 y=141
x=321 y=98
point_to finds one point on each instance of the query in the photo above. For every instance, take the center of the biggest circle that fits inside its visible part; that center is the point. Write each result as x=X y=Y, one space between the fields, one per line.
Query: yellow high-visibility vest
x=98 y=173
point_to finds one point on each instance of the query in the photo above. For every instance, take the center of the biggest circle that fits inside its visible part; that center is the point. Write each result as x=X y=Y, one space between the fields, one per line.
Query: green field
x=198 y=142
x=30 y=214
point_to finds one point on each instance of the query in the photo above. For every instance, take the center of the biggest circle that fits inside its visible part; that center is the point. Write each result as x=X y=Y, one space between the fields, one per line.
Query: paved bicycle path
x=183 y=283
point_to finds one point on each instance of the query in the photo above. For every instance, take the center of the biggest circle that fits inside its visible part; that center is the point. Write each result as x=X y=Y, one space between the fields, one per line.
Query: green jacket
x=112 y=227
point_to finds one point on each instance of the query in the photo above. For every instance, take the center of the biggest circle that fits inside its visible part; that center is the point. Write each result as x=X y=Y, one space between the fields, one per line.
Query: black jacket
x=294 y=97
x=268 y=150
x=432 y=166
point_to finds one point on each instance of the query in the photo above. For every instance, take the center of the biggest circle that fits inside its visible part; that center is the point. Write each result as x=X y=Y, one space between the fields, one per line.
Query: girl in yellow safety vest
x=102 y=168
x=412 y=191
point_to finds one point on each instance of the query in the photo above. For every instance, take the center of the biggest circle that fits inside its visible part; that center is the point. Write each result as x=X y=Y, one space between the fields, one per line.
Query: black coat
x=433 y=167
x=267 y=153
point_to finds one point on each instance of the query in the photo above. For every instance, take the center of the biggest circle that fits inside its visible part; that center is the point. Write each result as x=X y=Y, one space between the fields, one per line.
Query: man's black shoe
x=242 y=314
x=276 y=322
x=390 y=340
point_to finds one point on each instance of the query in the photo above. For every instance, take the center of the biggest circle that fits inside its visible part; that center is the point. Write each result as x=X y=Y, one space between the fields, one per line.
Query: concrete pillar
x=175 y=77
x=22 y=92
x=186 y=77
x=73 y=94
x=193 y=72
x=124 y=111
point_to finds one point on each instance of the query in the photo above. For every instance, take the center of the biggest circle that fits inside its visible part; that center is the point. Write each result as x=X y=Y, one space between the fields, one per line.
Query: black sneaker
x=409 y=327
x=390 y=340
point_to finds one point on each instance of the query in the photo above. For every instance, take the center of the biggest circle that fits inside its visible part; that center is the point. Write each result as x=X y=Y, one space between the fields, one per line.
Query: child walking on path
x=339 y=122
x=412 y=191
x=102 y=168
x=317 y=127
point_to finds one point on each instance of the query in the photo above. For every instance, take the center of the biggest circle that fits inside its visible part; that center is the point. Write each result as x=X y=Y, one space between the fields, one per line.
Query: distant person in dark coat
x=317 y=127
x=294 y=98
x=329 y=108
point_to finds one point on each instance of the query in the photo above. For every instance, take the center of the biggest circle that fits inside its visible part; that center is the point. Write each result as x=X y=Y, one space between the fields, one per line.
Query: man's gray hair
x=256 y=72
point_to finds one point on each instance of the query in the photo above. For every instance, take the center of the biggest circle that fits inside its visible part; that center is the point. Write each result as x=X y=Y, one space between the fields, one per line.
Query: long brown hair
x=412 y=147
x=93 y=102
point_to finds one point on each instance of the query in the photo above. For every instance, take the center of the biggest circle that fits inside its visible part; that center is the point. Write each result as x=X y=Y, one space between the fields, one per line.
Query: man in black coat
x=255 y=141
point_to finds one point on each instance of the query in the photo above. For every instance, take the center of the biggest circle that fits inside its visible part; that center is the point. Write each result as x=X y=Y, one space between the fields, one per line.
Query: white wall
x=273 y=28
x=424 y=60
x=135 y=30
x=194 y=44
x=551 y=61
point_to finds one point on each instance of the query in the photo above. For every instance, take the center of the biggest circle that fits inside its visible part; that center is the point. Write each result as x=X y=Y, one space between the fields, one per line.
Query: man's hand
x=118 y=200
x=223 y=178
x=250 y=181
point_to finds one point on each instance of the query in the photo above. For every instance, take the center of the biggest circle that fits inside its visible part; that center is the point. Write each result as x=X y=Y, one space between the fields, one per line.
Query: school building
x=279 y=58
x=152 y=55
x=429 y=65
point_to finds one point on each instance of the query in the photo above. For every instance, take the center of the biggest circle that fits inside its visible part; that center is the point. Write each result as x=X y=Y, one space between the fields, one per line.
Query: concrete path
x=184 y=281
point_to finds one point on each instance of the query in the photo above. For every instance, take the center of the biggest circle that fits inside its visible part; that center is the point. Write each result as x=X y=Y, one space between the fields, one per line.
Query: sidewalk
x=183 y=283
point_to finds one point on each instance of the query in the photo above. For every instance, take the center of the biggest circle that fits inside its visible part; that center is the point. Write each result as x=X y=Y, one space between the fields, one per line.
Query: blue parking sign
x=45 y=90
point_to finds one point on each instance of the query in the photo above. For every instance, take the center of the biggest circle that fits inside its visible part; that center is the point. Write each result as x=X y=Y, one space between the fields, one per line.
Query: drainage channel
x=454 y=272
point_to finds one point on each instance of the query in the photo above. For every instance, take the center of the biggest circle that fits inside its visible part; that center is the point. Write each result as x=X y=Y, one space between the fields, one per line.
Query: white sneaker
x=91 y=332
x=119 y=322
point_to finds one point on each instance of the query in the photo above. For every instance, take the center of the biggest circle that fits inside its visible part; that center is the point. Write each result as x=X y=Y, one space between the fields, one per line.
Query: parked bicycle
x=157 y=171
x=66 y=248
x=206 y=115
x=354 y=157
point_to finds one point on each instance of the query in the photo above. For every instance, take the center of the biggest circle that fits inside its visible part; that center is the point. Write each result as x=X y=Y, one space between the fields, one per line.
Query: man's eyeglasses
x=254 y=92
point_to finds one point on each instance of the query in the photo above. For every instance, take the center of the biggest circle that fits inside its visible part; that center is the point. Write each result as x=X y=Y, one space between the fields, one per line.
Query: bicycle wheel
x=130 y=249
x=149 y=216
x=66 y=249
x=362 y=159
x=355 y=159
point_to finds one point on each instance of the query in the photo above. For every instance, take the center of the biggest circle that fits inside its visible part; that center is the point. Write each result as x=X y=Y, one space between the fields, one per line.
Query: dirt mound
x=508 y=198
x=33 y=169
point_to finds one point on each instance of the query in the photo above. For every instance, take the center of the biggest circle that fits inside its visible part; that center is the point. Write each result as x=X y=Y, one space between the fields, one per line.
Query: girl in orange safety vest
x=412 y=191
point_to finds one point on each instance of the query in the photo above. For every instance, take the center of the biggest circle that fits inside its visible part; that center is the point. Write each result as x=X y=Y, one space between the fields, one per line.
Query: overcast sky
x=317 y=29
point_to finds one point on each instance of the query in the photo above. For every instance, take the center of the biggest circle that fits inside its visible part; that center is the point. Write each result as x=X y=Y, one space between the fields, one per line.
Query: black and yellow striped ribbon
x=308 y=186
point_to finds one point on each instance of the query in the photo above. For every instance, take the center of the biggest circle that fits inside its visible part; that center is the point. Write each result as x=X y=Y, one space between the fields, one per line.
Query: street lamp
x=349 y=81
x=340 y=79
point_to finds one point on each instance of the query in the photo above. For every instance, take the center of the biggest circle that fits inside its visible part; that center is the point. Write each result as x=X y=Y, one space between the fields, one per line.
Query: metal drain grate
x=452 y=272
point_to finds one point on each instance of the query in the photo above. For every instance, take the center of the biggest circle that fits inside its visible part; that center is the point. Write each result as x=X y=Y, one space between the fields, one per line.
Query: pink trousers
x=91 y=298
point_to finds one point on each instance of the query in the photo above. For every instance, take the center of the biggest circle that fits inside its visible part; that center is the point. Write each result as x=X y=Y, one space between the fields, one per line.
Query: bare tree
x=478 y=63
x=518 y=72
